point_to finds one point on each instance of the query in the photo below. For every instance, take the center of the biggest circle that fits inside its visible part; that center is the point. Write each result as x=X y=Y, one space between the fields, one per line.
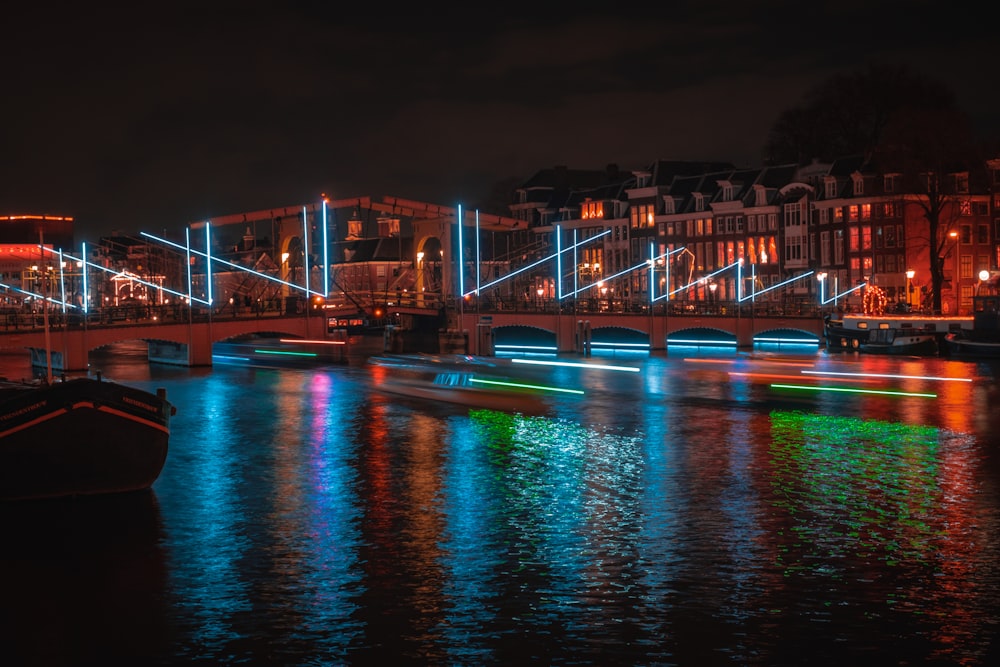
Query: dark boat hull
x=968 y=348
x=80 y=437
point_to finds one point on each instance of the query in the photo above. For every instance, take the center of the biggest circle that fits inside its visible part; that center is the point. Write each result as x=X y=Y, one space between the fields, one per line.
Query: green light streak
x=848 y=390
x=519 y=385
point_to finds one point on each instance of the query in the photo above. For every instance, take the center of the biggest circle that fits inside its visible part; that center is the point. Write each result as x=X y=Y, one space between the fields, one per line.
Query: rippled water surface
x=701 y=511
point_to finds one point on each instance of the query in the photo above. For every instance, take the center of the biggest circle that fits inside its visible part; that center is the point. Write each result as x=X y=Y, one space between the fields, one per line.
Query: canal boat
x=912 y=334
x=900 y=341
x=467 y=380
x=81 y=436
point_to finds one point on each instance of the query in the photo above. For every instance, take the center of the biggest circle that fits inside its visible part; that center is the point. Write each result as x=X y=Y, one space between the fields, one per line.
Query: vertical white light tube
x=461 y=260
x=62 y=282
x=208 y=262
x=187 y=239
x=86 y=293
x=326 y=256
x=478 y=257
x=576 y=267
x=305 y=242
x=558 y=263
x=652 y=274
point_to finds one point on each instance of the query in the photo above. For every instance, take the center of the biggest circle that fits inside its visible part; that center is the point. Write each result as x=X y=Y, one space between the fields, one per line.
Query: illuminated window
x=866 y=211
x=838 y=214
x=852 y=213
x=866 y=238
x=854 y=239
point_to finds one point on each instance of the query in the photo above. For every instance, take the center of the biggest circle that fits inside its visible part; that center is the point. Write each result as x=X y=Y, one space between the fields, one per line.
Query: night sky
x=156 y=116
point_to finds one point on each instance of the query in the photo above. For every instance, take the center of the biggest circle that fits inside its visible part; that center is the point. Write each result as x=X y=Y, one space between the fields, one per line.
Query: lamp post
x=821 y=277
x=909 y=287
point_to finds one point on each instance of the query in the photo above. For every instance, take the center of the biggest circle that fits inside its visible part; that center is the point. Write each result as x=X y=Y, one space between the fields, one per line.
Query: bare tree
x=848 y=113
x=940 y=164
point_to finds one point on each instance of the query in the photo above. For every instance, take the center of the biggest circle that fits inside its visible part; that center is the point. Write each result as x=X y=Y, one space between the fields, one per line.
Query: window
x=792 y=215
x=751 y=223
x=852 y=213
x=831 y=188
x=965 y=266
x=824 y=248
x=966 y=234
x=983 y=234
x=838 y=246
x=838 y=214
x=866 y=211
x=866 y=238
x=772 y=221
x=855 y=244
x=859 y=185
x=889 y=183
x=824 y=216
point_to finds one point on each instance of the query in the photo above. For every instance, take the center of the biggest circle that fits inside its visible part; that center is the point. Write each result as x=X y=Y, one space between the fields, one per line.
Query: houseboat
x=910 y=334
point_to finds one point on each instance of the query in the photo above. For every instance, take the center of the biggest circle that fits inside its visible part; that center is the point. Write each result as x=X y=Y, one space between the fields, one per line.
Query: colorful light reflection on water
x=683 y=514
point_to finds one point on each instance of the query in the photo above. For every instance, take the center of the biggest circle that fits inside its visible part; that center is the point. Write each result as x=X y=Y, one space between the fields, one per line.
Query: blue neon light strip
x=608 y=344
x=230 y=264
x=526 y=347
x=842 y=294
x=37 y=296
x=666 y=272
x=799 y=341
x=461 y=258
x=776 y=286
x=305 y=243
x=187 y=240
x=541 y=261
x=703 y=278
x=326 y=255
x=559 y=278
x=86 y=292
x=704 y=343
x=208 y=262
x=226 y=356
x=62 y=282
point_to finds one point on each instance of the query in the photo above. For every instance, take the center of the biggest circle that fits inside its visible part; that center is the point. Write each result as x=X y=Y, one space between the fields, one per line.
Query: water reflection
x=685 y=514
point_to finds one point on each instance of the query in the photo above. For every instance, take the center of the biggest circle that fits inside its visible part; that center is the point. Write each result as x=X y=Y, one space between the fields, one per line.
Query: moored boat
x=900 y=341
x=983 y=340
x=81 y=436
x=853 y=332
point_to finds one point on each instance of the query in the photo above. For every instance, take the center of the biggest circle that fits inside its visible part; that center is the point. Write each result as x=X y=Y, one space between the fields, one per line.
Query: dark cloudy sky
x=158 y=115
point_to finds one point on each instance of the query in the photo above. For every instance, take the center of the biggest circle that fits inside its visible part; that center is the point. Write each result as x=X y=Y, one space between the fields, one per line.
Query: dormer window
x=831 y=188
x=668 y=205
x=962 y=183
x=727 y=190
x=889 y=182
x=859 y=184
x=699 y=201
x=760 y=195
x=592 y=210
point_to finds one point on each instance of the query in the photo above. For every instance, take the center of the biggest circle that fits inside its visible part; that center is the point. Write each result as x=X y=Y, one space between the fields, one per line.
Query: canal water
x=740 y=509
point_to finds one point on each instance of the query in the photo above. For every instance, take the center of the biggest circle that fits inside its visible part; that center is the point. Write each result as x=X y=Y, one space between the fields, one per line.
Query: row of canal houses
x=791 y=225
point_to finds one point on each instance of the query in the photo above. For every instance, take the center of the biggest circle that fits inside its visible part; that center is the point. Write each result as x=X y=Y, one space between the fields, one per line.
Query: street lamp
x=821 y=277
x=712 y=287
x=909 y=287
x=984 y=275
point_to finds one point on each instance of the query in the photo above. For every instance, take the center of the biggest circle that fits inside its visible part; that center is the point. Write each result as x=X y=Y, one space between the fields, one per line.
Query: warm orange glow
x=54 y=218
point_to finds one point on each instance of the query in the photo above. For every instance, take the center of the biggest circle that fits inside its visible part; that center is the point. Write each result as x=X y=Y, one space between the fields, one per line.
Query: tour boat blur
x=473 y=381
